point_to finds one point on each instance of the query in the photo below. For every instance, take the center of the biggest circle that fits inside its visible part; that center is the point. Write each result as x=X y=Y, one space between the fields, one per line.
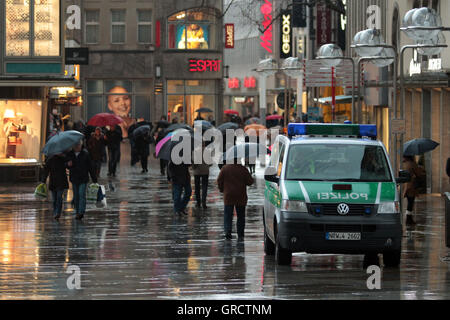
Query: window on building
x=185 y=97
x=118 y=26
x=144 y=27
x=129 y=99
x=92 y=26
x=32 y=28
x=192 y=29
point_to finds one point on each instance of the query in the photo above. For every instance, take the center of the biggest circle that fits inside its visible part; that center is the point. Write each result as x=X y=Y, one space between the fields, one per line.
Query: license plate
x=343 y=236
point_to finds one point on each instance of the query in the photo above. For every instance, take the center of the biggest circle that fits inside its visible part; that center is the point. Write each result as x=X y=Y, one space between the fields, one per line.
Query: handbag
x=101 y=197
x=41 y=191
x=92 y=192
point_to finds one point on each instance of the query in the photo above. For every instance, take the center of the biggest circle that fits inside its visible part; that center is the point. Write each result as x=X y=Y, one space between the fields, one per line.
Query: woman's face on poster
x=119 y=104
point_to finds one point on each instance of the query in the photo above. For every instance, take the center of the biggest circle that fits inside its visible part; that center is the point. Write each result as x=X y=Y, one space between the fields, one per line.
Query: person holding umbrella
x=142 y=139
x=80 y=166
x=113 y=138
x=233 y=180
x=180 y=178
x=410 y=192
x=96 y=144
x=55 y=167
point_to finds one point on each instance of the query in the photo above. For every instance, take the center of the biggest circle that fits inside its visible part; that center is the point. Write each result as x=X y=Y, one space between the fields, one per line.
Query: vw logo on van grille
x=343 y=209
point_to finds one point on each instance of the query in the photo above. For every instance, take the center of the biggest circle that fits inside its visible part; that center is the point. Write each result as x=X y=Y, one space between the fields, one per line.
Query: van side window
x=274 y=154
x=280 y=161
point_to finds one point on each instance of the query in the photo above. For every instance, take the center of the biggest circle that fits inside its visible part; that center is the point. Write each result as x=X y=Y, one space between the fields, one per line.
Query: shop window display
x=192 y=29
x=45 y=40
x=20 y=136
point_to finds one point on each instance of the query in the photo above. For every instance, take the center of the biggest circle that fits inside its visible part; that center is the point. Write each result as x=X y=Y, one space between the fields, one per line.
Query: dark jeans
x=410 y=206
x=98 y=167
x=79 y=197
x=203 y=181
x=144 y=161
x=114 y=158
x=180 y=201
x=228 y=219
x=162 y=165
x=57 y=196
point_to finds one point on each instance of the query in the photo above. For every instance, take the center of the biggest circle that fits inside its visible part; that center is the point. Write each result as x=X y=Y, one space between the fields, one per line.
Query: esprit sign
x=286 y=47
x=204 y=65
x=266 y=38
x=229 y=36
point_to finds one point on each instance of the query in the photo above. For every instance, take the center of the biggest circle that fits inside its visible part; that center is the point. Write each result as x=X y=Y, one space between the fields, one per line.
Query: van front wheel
x=283 y=257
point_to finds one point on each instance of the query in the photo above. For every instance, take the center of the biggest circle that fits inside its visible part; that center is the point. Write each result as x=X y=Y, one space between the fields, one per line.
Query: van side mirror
x=403 y=176
x=270 y=174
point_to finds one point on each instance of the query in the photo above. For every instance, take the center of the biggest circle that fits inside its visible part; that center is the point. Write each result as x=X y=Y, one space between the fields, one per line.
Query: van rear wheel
x=283 y=257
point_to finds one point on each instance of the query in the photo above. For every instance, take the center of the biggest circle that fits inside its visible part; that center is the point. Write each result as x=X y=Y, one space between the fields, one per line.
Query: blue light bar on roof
x=332 y=129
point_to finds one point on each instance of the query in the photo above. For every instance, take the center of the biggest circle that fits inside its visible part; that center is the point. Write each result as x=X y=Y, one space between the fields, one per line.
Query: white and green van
x=330 y=188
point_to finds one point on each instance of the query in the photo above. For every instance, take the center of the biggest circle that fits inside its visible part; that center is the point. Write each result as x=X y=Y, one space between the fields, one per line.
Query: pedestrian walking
x=142 y=144
x=201 y=176
x=447 y=169
x=233 y=181
x=55 y=167
x=113 y=139
x=411 y=191
x=162 y=162
x=80 y=166
x=180 y=178
x=96 y=145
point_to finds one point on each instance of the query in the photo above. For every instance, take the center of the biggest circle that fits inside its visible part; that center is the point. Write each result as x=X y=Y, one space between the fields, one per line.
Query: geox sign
x=286 y=34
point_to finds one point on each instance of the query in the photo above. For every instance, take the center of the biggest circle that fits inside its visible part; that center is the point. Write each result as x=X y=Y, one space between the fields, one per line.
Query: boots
x=409 y=218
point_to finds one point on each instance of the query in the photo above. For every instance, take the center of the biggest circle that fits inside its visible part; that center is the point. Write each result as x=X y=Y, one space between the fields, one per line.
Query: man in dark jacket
x=180 y=178
x=142 y=144
x=55 y=166
x=113 y=139
x=80 y=166
x=233 y=181
x=162 y=162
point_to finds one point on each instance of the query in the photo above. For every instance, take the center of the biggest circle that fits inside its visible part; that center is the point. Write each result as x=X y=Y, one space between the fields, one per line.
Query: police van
x=330 y=188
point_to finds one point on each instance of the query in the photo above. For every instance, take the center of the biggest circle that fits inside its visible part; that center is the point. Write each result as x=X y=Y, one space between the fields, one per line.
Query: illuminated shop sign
x=250 y=82
x=233 y=83
x=229 y=36
x=204 y=65
x=266 y=38
x=286 y=47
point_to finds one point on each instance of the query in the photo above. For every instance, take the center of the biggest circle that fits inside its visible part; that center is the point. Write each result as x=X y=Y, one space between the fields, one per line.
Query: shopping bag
x=41 y=191
x=92 y=192
x=101 y=197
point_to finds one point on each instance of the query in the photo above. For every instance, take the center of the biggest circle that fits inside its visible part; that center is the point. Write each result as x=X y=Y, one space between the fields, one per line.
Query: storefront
x=31 y=61
x=191 y=62
x=242 y=95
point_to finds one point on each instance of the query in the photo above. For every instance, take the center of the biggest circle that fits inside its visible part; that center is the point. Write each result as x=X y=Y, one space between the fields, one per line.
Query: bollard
x=447 y=219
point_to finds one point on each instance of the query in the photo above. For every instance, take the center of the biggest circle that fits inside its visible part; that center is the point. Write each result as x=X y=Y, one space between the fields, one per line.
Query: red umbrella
x=274 y=117
x=104 y=119
x=231 y=112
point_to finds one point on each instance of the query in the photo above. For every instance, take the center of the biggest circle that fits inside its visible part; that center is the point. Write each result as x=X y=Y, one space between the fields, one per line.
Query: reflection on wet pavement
x=137 y=248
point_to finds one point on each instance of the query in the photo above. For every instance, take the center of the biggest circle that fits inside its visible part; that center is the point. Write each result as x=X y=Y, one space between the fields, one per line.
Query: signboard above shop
x=204 y=65
x=77 y=56
x=286 y=34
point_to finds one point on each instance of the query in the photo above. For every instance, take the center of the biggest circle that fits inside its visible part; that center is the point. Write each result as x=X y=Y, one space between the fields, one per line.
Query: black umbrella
x=203 y=110
x=253 y=120
x=137 y=125
x=141 y=131
x=166 y=150
x=227 y=125
x=245 y=150
x=176 y=126
x=163 y=124
x=418 y=146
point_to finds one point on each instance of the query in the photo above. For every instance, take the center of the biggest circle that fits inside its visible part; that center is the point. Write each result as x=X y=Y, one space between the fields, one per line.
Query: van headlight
x=390 y=207
x=293 y=205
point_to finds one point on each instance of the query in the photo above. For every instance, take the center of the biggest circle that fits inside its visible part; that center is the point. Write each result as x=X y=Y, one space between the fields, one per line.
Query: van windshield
x=337 y=162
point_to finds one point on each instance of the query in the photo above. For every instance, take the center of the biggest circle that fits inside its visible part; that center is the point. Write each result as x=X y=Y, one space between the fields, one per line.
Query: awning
x=339 y=99
x=36 y=82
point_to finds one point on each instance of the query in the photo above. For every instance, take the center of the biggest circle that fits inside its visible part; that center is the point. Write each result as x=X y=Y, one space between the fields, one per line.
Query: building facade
x=31 y=63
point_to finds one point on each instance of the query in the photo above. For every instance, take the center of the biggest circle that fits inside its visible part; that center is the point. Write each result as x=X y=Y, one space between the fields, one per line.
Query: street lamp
x=266 y=67
x=331 y=56
x=293 y=67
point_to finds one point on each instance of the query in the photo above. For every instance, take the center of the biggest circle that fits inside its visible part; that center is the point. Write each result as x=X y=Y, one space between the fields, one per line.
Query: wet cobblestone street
x=136 y=248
